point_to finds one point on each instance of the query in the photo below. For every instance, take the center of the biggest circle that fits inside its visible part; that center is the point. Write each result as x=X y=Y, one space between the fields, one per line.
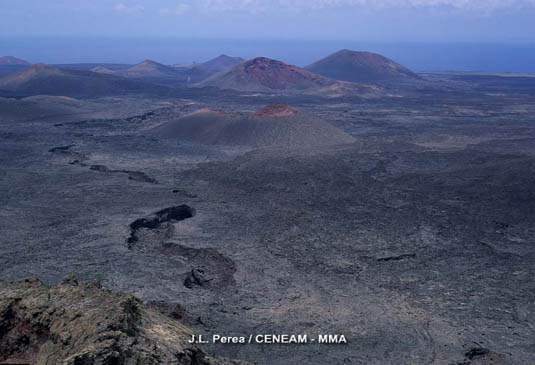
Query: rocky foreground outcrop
x=81 y=323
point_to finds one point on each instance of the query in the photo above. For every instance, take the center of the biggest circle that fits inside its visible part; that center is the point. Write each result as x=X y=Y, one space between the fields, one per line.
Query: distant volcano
x=43 y=79
x=102 y=70
x=149 y=69
x=199 y=72
x=264 y=74
x=219 y=64
x=13 y=61
x=356 y=66
x=277 y=125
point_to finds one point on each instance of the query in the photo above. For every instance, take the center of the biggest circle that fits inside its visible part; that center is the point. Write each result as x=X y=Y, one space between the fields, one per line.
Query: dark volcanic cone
x=356 y=66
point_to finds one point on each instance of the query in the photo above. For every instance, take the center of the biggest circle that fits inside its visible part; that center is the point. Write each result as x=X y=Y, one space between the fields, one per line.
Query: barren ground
x=417 y=241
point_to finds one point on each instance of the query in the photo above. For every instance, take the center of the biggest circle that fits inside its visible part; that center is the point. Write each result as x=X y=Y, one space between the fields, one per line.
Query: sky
x=426 y=34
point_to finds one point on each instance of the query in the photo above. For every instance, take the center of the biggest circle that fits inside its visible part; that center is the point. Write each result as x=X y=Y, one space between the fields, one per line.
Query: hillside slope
x=80 y=323
x=13 y=61
x=43 y=79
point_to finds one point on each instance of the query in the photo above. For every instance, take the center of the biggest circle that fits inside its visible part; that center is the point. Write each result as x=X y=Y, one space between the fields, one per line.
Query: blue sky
x=363 y=20
x=424 y=34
